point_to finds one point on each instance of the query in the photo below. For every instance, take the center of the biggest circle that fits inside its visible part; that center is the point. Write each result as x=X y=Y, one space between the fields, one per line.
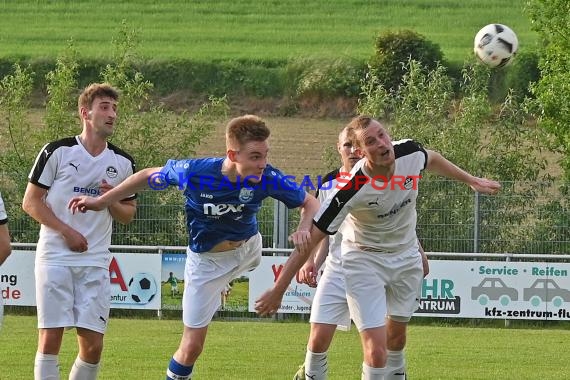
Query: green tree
x=551 y=19
x=149 y=132
x=393 y=49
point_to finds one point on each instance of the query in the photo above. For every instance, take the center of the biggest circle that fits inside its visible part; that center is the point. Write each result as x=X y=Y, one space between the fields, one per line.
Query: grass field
x=141 y=349
x=249 y=29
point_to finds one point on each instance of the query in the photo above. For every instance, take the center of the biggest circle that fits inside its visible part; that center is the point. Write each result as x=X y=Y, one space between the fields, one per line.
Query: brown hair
x=244 y=129
x=96 y=90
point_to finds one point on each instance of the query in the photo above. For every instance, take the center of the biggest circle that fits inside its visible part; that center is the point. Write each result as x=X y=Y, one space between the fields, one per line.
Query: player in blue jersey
x=379 y=249
x=223 y=196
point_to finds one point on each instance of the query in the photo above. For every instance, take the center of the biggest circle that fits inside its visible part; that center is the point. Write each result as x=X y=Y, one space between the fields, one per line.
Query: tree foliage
x=551 y=19
x=393 y=49
x=146 y=130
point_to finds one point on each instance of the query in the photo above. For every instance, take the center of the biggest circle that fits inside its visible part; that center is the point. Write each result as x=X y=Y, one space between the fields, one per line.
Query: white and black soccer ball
x=496 y=45
x=142 y=288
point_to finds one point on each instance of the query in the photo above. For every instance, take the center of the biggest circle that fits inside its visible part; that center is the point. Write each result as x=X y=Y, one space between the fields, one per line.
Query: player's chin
x=254 y=178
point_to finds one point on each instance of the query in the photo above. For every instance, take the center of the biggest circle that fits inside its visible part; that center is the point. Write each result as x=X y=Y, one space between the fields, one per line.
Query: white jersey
x=66 y=169
x=3 y=215
x=380 y=215
x=330 y=183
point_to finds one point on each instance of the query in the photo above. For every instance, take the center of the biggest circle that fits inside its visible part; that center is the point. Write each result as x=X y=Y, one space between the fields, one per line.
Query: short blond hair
x=356 y=125
x=244 y=129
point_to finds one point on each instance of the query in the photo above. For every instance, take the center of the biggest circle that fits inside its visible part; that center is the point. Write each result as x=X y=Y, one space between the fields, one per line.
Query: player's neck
x=229 y=170
x=379 y=170
x=92 y=143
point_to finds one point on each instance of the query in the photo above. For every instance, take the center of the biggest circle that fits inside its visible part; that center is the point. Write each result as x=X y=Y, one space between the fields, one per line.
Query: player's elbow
x=125 y=219
x=28 y=205
x=5 y=251
x=123 y=212
x=311 y=205
x=5 y=247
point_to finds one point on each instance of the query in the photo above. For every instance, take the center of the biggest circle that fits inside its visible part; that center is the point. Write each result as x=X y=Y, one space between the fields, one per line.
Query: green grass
x=141 y=349
x=249 y=29
x=171 y=302
x=237 y=301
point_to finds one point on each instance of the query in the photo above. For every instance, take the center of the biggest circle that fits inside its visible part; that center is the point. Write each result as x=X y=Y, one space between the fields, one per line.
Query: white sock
x=371 y=373
x=83 y=371
x=396 y=364
x=46 y=367
x=316 y=365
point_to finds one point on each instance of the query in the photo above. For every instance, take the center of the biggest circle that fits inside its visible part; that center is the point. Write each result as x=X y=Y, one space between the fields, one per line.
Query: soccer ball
x=142 y=288
x=496 y=45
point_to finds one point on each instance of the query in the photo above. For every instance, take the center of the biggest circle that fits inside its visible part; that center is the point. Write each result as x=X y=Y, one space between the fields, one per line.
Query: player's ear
x=85 y=113
x=232 y=155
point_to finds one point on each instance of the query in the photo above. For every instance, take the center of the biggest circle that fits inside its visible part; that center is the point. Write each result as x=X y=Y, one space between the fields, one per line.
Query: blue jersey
x=217 y=209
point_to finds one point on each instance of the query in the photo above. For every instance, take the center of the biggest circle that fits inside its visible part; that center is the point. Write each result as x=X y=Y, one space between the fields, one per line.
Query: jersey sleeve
x=176 y=172
x=130 y=171
x=425 y=154
x=334 y=209
x=284 y=189
x=404 y=147
x=3 y=215
x=45 y=167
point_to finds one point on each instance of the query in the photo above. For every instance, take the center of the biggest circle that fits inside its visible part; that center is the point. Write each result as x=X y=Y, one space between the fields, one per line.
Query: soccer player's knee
x=191 y=349
x=396 y=342
x=396 y=336
x=375 y=355
x=317 y=345
x=92 y=353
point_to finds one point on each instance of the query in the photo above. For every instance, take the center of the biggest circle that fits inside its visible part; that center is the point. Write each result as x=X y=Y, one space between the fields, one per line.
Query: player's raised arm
x=440 y=165
x=150 y=177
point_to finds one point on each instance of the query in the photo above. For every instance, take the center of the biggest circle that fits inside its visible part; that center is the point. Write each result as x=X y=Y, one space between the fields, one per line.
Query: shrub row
x=297 y=78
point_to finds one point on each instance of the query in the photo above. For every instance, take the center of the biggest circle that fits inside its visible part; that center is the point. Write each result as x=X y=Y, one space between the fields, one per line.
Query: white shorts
x=329 y=303
x=206 y=276
x=73 y=297
x=381 y=284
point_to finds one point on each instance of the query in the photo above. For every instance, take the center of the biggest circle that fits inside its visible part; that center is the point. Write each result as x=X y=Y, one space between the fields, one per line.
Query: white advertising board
x=297 y=298
x=458 y=288
x=496 y=289
x=135 y=280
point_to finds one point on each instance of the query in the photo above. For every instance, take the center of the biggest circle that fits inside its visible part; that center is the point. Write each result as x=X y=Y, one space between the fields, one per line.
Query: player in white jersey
x=380 y=257
x=329 y=309
x=5 y=248
x=72 y=256
x=223 y=196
